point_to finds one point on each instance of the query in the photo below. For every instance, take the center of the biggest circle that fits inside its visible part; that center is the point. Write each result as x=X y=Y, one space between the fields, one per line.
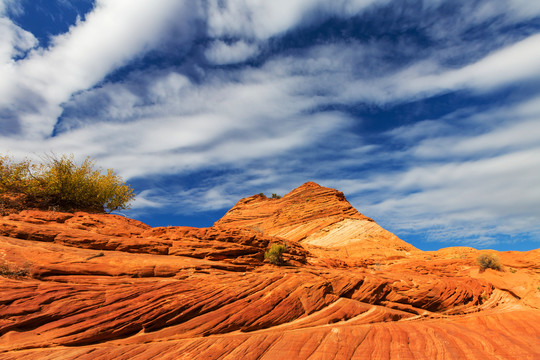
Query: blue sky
x=426 y=114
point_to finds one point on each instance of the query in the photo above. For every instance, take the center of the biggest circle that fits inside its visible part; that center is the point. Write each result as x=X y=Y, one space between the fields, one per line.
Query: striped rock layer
x=88 y=286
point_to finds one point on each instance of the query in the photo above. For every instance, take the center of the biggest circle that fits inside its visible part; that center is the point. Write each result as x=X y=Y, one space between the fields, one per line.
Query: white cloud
x=112 y=34
x=270 y=124
x=254 y=19
x=520 y=61
x=147 y=199
x=261 y=19
x=459 y=187
x=221 y=53
x=516 y=63
x=509 y=137
x=175 y=125
x=11 y=6
x=524 y=8
x=14 y=41
x=35 y=88
x=487 y=196
x=354 y=72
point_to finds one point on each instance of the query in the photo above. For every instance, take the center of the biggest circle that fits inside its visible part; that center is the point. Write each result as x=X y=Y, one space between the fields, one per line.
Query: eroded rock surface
x=318 y=216
x=86 y=286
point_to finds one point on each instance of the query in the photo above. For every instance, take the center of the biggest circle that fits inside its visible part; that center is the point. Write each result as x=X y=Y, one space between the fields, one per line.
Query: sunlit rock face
x=319 y=216
x=87 y=286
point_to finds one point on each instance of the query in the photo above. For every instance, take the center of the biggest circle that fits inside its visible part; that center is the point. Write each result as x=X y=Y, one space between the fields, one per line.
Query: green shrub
x=276 y=196
x=61 y=183
x=275 y=254
x=489 y=261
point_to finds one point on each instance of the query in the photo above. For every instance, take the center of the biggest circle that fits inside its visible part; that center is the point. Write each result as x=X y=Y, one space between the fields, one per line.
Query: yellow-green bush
x=275 y=254
x=489 y=261
x=14 y=176
x=63 y=184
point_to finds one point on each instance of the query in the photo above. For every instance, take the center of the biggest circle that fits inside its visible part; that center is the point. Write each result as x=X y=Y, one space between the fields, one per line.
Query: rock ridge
x=315 y=215
x=89 y=286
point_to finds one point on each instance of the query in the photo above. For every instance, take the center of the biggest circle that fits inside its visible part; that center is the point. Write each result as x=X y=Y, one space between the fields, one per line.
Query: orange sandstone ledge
x=87 y=286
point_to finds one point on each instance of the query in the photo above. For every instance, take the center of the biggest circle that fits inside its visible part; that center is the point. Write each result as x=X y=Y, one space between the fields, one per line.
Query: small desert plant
x=275 y=254
x=61 y=183
x=276 y=196
x=13 y=271
x=489 y=261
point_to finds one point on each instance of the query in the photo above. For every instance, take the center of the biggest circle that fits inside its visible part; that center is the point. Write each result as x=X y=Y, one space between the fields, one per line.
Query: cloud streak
x=272 y=94
x=221 y=53
x=455 y=186
x=112 y=34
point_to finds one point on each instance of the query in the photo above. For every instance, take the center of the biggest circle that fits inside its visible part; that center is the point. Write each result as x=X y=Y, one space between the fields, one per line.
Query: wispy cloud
x=173 y=88
x=113 y=33
x=459 y=187
x=10 y=6
x=222 y=53
x=227 y=120
x=261 y=19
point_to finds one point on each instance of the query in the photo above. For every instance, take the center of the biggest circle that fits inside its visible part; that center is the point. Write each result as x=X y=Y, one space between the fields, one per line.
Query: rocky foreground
x=86 y=286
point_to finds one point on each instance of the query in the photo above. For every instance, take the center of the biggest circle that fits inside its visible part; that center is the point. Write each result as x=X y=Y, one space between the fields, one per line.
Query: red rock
x=316 y=216
x=108 y=287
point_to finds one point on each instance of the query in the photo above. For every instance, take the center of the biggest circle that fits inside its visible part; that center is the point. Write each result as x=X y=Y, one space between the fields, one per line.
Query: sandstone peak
x=309 y=185
x=311 y=188
x=303 y=192
x=316 y=215
x=307 y=202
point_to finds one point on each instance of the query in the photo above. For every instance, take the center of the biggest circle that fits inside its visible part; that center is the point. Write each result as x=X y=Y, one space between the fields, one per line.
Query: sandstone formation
x=87 y=286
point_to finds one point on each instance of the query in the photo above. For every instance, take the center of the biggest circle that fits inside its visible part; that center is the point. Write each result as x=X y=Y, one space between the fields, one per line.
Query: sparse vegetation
x=275 y=254
x=14 y=271
x=276 y=196
x=489 y=261
x=60 y=183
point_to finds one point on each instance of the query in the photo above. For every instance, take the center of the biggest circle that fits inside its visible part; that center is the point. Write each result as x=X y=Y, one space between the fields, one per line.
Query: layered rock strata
x=87 y=286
